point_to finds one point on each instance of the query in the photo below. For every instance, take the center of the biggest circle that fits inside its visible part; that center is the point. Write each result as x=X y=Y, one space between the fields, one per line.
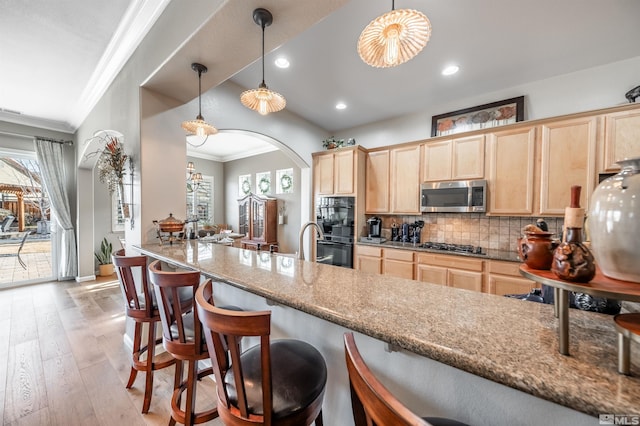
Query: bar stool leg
x=151 y=351
x=623 y=354
x=136 y=349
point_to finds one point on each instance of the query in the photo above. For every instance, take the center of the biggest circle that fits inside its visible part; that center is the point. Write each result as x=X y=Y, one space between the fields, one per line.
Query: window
x=200 y=200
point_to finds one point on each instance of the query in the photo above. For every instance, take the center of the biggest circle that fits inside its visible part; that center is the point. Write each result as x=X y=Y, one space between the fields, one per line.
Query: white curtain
x=51 y=161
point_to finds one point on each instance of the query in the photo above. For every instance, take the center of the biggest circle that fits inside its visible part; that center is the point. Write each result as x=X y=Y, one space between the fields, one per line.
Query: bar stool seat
x=280 y=382
x=372 y=403
x=628 y=328
x=140 y=306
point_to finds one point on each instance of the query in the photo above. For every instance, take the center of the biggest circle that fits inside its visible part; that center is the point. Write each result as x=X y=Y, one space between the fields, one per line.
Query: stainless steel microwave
x=454 y=196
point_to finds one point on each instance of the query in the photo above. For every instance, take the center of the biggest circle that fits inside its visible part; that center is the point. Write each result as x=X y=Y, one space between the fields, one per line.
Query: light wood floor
x=63 y=360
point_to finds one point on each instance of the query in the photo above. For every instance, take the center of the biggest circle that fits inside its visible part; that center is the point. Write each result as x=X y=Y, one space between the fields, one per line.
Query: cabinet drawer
x=398 y=269
x=405 y=255
x=369 y=251
x=504 y=268
x=450 y=261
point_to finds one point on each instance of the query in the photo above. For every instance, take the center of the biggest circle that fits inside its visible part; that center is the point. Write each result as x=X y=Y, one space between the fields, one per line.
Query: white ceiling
x=51 y=70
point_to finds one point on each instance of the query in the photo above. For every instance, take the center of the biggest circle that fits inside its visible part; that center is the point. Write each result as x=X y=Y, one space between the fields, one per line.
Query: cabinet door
x=343 y=165
x=377 y=182
x=431 y=274
x=405 y=180
x=503 y=284
x=257 y=220
x=468 y=158
x=622 y=133
x=511 y=171
x=398 y=268
x=437 y=159
x=323 y=174
x=568 y=158
x=243 y=218
x=464 y=279
x=369 y=264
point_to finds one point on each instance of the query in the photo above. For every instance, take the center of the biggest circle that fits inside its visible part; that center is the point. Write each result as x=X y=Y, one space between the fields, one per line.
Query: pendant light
x=262 y=99
x=394 y=38
x=199 y=127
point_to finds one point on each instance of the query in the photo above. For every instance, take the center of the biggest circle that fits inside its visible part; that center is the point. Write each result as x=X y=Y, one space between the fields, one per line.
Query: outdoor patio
x=36 y=254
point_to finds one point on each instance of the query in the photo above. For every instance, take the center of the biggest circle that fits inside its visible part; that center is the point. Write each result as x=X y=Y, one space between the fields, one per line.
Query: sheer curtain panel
x=51 y=160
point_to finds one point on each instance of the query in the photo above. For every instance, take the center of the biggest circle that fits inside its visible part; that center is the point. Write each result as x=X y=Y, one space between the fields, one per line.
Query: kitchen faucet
x=304 y=227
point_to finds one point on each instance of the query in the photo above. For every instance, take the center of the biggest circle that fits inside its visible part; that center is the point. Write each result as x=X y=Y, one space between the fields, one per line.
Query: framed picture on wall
x=479 y=117
x=244 y=185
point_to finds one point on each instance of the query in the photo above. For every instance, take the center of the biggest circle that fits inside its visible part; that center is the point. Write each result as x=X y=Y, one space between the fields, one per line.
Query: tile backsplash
x=489 y=232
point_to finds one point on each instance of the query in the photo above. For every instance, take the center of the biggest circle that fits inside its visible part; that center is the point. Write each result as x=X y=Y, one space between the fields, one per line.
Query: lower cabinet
x=398 y=263
x=453 y=271
x=368 y=259
x=505 y=278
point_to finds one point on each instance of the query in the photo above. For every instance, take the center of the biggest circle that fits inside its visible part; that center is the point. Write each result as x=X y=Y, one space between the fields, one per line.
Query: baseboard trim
x=86 y=278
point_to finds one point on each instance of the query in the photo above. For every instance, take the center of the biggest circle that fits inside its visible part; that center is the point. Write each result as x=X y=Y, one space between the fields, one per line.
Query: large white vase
x=614 y=223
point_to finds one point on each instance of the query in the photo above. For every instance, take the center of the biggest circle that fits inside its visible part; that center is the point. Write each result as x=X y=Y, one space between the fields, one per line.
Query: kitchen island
x=481 y=358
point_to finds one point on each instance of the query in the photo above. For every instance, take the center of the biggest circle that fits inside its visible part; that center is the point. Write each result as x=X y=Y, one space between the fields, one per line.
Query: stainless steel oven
x=335 y=251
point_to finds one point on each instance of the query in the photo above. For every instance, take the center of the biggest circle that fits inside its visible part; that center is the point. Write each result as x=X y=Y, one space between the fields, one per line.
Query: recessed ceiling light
x=450 y=70
x=341 y=105
x=282 y=62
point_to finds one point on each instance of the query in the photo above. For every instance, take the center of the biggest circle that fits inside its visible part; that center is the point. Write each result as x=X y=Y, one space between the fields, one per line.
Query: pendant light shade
x=394 y=38
x=262 y=99
x=199 y=127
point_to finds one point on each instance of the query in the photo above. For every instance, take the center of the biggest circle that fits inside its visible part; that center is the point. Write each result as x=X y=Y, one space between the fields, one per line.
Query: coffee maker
x=375 y=227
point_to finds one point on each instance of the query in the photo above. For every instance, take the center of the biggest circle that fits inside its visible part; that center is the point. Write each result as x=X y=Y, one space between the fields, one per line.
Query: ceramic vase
x=536 y=249
x=572 y=260
x=614 y=223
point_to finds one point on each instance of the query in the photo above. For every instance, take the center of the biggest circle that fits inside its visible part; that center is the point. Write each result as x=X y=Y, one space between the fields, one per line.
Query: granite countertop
x=505 y=340
x=488 y=254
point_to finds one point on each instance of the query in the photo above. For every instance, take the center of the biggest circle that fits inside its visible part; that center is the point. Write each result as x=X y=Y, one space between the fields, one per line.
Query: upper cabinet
x=568 y=157
x=377 y=182
x=622 y=136
x=405 y=180
x=335 y=172
x=393 y=181
x=511 y=161
x=453 y=159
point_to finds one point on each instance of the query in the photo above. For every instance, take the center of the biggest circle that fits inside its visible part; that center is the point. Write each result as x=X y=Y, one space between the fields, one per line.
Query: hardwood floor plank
x=110 y=403
x=3 y=384
x=23 y=322
x=39 y=418
x=84 y=347
x=52 y=335
x=5 y=333
x=25 y=391
x=67 y=397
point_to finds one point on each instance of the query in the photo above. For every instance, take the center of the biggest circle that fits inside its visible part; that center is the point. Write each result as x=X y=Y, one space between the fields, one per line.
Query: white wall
x=590 y=89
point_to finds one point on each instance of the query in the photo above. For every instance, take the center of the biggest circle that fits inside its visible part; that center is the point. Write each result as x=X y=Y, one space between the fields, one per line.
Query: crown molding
x=41 y=123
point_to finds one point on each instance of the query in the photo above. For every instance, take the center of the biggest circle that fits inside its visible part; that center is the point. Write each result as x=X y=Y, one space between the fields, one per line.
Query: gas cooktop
x=458 y=248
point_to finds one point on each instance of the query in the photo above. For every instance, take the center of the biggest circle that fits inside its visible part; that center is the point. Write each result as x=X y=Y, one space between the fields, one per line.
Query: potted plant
x=332 y=142
x=105 y=266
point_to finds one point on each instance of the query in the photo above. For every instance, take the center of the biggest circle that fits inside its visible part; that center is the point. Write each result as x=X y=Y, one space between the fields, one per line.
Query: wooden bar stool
x=372 y=403
x=628 y=327
x=140 y=306
x=182 y=338
x=280 y=382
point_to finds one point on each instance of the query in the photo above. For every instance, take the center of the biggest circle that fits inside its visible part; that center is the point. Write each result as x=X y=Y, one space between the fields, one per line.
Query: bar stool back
x=280 y=382
x=372 y=403
x=182 y=337
x=140 y=306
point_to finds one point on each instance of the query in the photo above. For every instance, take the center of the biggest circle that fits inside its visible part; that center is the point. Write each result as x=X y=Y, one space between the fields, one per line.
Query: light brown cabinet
x=504 y=278
x=511 y=161
x=452 y=271
x=457 y=159
x=377 y=182
x=405 y=180
x=368 y=259
x=398 y=263
x=393 y=181
x=568 y=157
x=258 y=221
x=334 y=173
x=622 y=136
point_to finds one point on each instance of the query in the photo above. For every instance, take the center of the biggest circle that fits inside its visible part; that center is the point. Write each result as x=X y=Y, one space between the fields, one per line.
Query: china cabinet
x=258 y=221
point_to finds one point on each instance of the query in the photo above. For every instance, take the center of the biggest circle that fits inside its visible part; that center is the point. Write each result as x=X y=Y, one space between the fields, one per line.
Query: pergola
x=14 y=179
